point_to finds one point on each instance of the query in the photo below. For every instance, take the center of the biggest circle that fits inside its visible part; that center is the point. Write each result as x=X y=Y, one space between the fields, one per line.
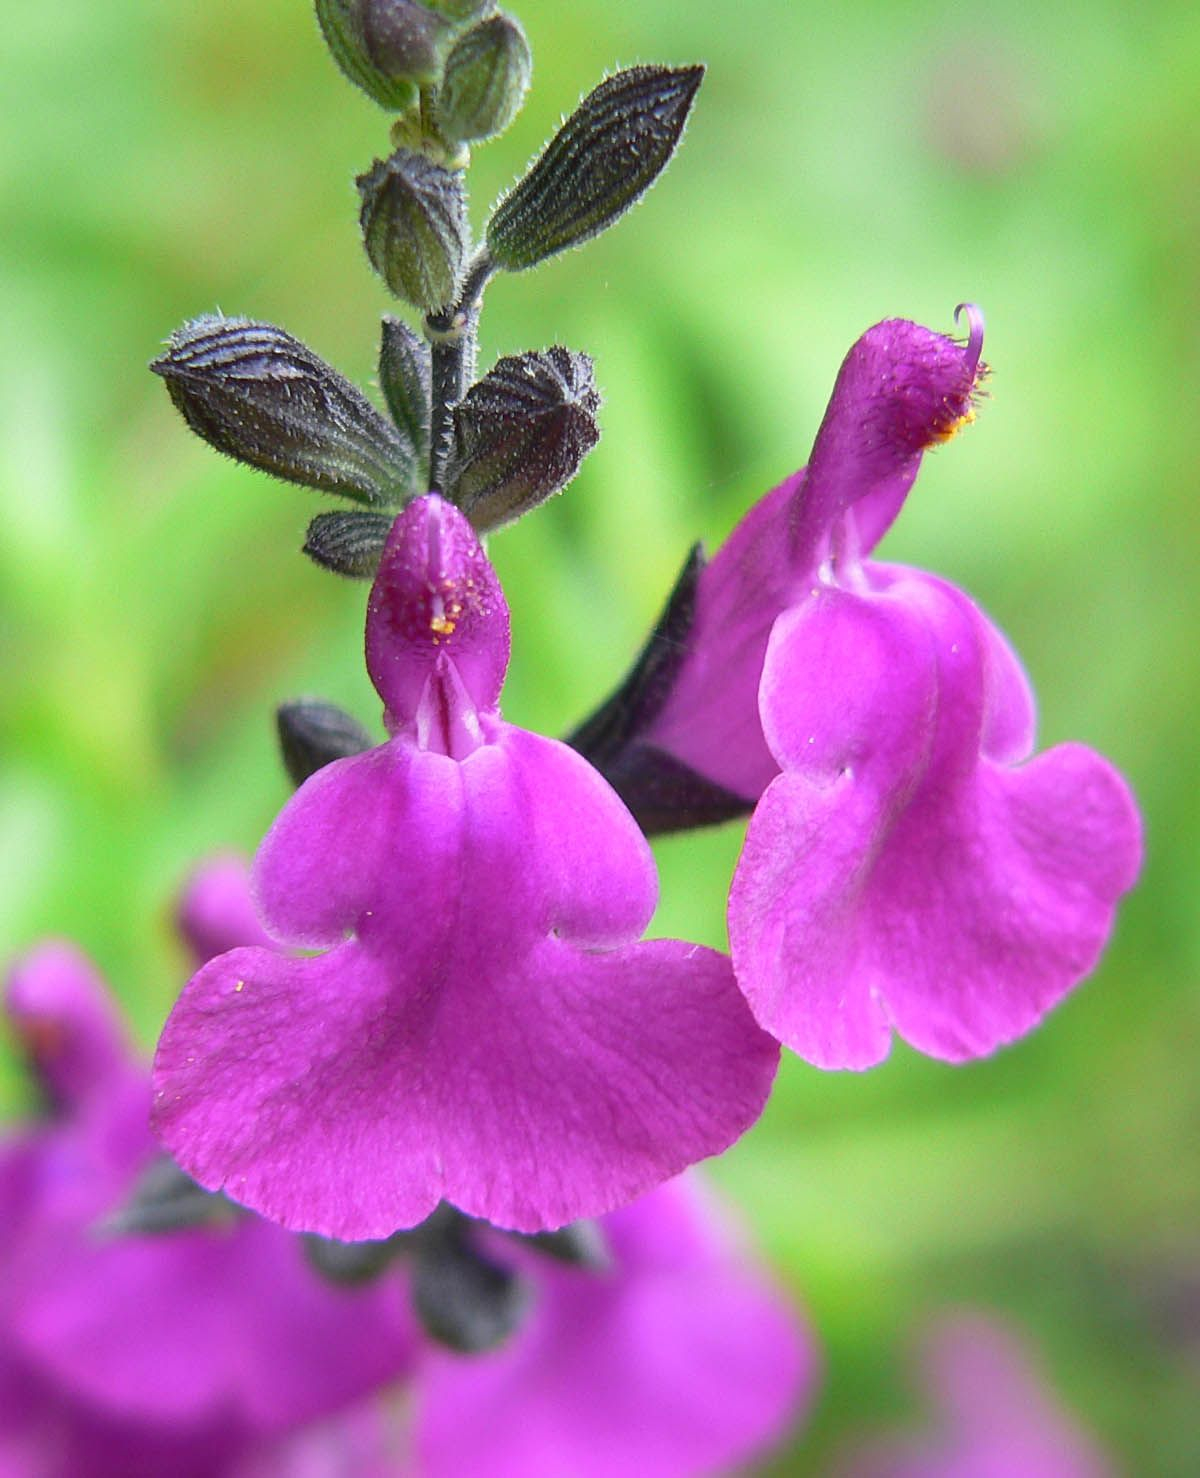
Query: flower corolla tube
x=481 y=1023
x=908 y=866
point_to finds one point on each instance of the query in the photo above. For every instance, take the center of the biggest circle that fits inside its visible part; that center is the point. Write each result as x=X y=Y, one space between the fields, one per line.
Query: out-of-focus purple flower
x=906 y=869
x=680 y=1358
x=483 y=1026
x=216 y=912
x=995 y=1416
x=182 y=1352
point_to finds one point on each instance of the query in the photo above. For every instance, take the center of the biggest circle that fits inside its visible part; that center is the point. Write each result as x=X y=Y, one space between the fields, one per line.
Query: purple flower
x=178 y=1352
x=216 y=912
x=911 y=868
x=996 y=1417
x=483 y=1025
x=680 y=1358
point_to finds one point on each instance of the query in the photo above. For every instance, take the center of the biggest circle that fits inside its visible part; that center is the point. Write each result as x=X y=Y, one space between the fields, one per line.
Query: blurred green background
x=843 y=165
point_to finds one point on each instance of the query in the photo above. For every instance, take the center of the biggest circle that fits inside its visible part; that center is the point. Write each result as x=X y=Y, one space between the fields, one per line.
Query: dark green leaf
x=581 y=1244
x=461 y=11
x=353 y=1264
x=463 y=1299
x=604 y=158
x=166 y=1199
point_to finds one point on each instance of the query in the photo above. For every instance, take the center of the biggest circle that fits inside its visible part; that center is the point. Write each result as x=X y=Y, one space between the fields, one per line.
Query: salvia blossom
x=679 y=1358
x=908 y=866
x=994 y=1415
x=482 y=1025
x=190 y=1351
x=432 y=1035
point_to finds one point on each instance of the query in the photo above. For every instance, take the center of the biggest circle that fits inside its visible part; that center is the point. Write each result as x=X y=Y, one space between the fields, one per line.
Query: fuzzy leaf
x=603 y=159
x=165 y=1199
x=353 y=1264
x=461 y=11
x=463 y=1299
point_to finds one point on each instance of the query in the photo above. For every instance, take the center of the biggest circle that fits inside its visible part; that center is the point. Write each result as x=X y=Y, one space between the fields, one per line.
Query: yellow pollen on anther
x=945 y=433
x=241 y=985
x=443 y=625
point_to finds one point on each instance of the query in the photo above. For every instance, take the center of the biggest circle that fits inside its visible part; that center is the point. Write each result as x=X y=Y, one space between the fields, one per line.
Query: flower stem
x=452 y=341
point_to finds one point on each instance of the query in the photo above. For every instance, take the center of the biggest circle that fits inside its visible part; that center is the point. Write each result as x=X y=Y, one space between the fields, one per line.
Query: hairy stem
x=452 y=336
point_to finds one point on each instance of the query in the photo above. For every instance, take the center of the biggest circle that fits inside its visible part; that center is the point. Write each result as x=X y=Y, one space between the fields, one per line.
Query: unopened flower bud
x=312 y=734
x=414 y=225
x=348 y=543
x=386 y=47
x=485 y=80
x=260 y=396
x=66 y=1026
x=521 y=433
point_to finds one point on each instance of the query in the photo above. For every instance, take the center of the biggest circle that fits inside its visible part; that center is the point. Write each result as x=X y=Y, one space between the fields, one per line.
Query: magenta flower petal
x=318 y=868
x=795 y=932
x=557 y=1069
x=1010 y=714
x=995 y=1416
x=258 y=1096
x=901 y=389
x=216 y=910
x=173 y=1353
x=1058 y=843
x=370 y=1441
x=680 y=1359
x=338 y=1102
x=486 y=1028
x=220 y=1323
x=998 y=1407
x=710 y=721
x=69 y=1028
x=436 y=597
x=46 y=1434
x=895 y=873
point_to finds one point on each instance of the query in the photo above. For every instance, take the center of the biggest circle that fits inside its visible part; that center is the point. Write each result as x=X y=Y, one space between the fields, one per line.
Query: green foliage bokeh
x=843 y=165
